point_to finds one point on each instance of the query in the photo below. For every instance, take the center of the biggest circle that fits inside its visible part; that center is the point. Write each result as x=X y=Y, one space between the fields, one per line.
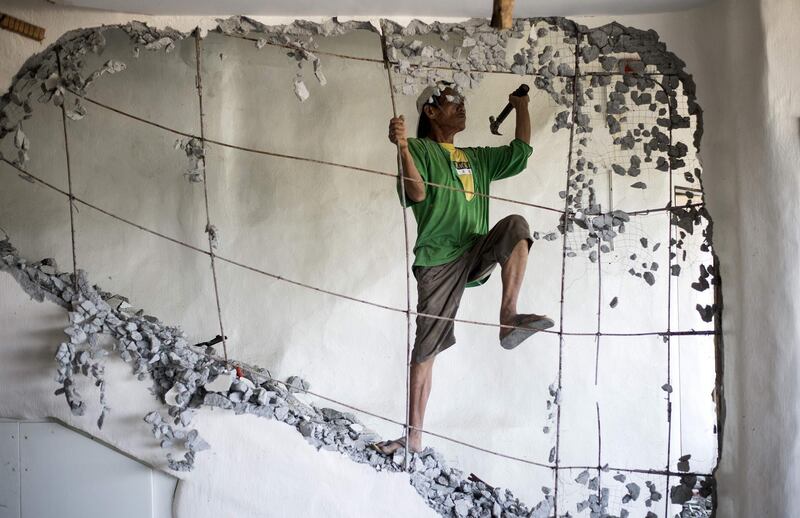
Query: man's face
x=448 y=112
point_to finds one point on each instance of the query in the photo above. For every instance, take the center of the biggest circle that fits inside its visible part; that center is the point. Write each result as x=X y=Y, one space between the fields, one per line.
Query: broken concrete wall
x=750 y=152
x=265 y=205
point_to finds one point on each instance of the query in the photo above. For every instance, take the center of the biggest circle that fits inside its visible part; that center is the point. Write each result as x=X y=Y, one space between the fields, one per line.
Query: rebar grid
x=556 y=467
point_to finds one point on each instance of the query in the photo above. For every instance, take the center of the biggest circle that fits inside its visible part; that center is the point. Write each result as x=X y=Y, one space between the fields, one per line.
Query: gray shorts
x=440 y=287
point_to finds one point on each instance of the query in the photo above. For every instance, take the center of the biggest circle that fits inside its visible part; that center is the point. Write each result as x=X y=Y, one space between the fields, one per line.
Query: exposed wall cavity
x=628 y=207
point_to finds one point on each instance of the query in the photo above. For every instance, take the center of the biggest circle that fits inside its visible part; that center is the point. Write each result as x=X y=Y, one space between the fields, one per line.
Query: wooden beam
x=502 y=14
x=26 y=29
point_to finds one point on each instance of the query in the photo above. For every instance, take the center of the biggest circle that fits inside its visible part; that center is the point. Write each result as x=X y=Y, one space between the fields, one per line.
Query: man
x=455 y=248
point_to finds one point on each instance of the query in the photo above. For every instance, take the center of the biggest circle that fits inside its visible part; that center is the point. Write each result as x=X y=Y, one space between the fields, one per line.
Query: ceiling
x=419 y=8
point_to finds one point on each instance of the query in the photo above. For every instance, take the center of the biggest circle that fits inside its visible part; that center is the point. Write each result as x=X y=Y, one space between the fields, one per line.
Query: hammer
x=494 y=123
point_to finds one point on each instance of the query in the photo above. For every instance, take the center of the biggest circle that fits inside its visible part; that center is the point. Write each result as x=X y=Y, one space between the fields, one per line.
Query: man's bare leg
x=421 y=377
x=513 y=272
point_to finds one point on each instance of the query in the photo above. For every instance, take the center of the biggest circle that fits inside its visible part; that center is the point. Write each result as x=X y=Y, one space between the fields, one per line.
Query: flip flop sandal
x=377 y=445
x=525 y=326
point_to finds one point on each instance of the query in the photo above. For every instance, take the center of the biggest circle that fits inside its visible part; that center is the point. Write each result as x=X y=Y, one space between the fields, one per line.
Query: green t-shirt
x=449 y=221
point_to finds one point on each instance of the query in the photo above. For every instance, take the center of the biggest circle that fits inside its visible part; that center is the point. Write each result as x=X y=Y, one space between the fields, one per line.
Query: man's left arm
x=523 y=128
x=509 y=160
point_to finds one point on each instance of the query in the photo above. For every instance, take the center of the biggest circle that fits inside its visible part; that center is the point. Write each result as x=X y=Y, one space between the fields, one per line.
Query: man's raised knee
x=515 y=221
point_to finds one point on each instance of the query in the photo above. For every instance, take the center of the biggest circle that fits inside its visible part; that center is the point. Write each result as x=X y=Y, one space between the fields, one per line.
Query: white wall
x=47 y=469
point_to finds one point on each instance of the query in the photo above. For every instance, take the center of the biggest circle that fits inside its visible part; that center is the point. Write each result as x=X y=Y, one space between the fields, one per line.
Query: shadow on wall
x=272 y=214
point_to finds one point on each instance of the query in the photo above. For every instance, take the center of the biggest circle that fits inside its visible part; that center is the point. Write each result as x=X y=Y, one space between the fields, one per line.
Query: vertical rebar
x=69 y=179
x=199 y=85
x=401 y=174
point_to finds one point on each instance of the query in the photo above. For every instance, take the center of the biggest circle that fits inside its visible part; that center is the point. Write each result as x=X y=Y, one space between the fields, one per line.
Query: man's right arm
x=414 y=184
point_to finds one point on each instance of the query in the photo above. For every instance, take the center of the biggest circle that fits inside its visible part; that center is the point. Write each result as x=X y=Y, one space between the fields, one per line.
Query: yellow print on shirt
x=461 y=163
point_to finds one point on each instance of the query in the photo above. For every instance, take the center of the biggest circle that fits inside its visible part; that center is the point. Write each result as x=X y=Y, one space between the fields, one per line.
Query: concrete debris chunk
x=583 y=477
x=683 y=492
x=655 y=496
x=221 y=383
x=300 y=90
x=706 y=312
x=683 y=463
x=633 y=492
x=297 y=384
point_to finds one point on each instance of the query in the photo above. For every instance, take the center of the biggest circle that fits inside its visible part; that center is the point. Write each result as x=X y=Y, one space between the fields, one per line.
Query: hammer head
x=494 y=125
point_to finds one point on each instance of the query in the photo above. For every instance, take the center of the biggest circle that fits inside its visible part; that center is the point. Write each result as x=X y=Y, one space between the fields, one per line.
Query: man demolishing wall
x=455 y=248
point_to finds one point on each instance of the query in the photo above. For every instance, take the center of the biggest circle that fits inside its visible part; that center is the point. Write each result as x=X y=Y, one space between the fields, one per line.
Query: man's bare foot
x=389 y=447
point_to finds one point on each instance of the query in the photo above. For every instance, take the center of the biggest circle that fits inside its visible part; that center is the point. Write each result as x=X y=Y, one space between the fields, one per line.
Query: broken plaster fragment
x=682 y=493
x=633 y=492
x=583 y=477
x=222 y=383
x=300 y=89
x=77 y=112
x=706 y=312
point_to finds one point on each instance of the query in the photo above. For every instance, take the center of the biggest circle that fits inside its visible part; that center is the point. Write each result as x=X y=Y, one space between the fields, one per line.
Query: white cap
x=430 y=92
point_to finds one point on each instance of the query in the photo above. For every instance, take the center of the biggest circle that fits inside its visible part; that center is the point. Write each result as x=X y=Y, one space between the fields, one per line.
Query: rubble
x=185 y=379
